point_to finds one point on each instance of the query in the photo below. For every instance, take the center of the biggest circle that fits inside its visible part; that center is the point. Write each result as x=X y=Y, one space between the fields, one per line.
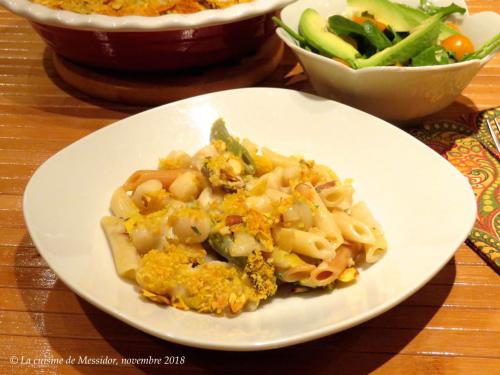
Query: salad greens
x=428 y=7
x=400 y=16
x=487 y=48
x=434 y=55
x=382 y=32
x=367 y=31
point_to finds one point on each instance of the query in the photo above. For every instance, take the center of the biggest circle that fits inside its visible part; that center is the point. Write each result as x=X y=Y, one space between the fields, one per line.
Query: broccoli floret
x=262 y=275
x=260 y=272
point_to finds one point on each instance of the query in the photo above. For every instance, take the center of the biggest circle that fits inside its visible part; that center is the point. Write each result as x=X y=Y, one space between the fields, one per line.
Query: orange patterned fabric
x=469 y=147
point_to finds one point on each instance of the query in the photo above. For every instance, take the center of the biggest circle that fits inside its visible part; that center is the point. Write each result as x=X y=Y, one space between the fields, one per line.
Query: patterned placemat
x=469 y=147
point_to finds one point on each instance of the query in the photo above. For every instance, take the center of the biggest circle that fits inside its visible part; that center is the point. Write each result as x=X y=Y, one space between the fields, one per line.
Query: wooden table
x=452 y=325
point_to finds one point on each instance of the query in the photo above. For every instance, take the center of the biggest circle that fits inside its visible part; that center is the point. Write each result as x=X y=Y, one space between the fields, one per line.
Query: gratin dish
x=138 y=43
x=398 y=94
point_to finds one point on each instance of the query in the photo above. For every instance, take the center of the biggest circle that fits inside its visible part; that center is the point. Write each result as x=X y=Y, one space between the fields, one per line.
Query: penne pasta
x=122 y=205
x=261 y=203
x=375 y=250
x=217 y=232
x=337 y=196
x=306 y=243
x=278 y=159
x=275 y=195
x=329 y=270
x=362 y=213
x=353 y=229
x=274 y=179
x=124 y=253
x=290 y=266
x=298 y=273
x=325 y=173
x=290 y=173
x=323 y=219
x=298 y=216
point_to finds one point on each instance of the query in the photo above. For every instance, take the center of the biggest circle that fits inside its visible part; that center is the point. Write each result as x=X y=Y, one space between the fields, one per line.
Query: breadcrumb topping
x=138 y=7
x=211 y=287
x=153 y=222
x=262 y=275
x=267 y=215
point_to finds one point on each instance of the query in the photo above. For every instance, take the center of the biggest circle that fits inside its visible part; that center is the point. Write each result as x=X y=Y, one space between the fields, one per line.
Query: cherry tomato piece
x=377 y=24
x=454 y=26
x=459 y=44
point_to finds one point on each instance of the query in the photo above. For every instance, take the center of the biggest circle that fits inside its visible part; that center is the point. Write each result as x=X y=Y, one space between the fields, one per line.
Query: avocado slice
x=420 y=38
x=314 y=29
x=445 y=31
x=387 y=12
x=400 y=17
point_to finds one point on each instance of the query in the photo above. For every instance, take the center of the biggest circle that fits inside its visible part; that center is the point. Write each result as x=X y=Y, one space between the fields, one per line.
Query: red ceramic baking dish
x=167 y=42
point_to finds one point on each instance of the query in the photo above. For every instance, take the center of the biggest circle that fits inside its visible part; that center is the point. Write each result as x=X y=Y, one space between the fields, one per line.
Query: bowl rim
x=99 y=22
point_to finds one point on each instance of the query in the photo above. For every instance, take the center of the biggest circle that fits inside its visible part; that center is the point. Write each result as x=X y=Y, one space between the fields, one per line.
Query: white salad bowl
x=425 y=206
x=398 y=94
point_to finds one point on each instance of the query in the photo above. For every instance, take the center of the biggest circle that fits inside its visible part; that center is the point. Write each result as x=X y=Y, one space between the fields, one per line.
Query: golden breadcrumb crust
x=137 y=7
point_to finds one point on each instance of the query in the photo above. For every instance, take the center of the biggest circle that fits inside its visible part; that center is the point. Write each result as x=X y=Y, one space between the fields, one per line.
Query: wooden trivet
x=161 y=87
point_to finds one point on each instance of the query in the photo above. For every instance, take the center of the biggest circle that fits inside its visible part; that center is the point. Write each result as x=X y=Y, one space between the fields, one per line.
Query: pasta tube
x=306 y=243
x=124 y=253
x=122 y=205
x=353 y=229
x=274 y=218
x=323 y=219
x=376 y=249
x=290 y=266
x=337 y=196
x=278 y=159
x=329 y=270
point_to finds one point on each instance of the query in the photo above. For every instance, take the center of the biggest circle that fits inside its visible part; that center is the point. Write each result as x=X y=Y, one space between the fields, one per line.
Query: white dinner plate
x=425 y=206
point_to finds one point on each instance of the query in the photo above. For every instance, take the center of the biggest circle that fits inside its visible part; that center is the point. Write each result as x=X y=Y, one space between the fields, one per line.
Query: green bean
x=289 y=30
x=219 y=132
